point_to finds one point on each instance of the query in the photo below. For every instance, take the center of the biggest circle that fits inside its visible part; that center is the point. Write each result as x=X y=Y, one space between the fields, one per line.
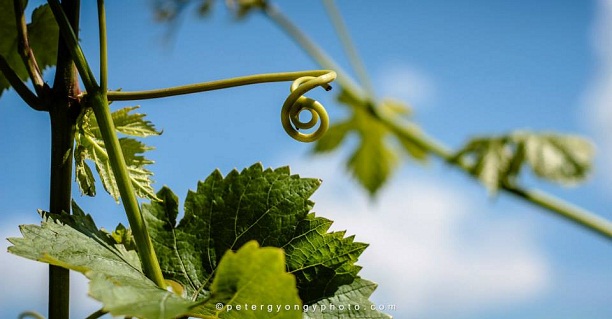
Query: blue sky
x=440 y=247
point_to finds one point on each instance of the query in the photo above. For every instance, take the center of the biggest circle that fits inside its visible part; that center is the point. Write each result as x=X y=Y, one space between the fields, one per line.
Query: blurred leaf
x=375 y=158
x=497 y=161
x=564 y=159
x=90 y=146
x=268 y=206
x=242 y=8
x=489 y=159
x=169 y=10
x=373 y=161
x=333 y=137
x=43 y=35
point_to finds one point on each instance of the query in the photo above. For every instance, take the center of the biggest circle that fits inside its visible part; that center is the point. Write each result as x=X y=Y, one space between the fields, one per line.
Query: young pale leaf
x=350 y=301
x=374 y=160
x=43 y=35
x=497 y=161
x=132 y=124
x=268 y=206
x=334 y=136
x=90 y=146
x=247 y=281
x=565 y=159
x=489 y=159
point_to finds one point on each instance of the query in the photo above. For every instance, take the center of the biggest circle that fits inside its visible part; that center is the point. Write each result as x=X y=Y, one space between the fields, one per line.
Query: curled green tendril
x=296 y=103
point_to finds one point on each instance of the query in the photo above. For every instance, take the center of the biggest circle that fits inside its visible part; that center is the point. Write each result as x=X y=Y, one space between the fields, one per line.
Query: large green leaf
x=350 y=301
x=43 y=35
x=498 y=160
x=252 y=275
x=375 y=158
x=74 y=242
x=269 y=206
x=321 y=261
x=90 y=146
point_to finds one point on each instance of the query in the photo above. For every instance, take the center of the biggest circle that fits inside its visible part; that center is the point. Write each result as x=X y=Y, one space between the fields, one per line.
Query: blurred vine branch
x=496 y=161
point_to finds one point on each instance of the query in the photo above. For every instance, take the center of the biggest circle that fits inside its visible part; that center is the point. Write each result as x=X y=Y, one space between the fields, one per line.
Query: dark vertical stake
x=64 y=110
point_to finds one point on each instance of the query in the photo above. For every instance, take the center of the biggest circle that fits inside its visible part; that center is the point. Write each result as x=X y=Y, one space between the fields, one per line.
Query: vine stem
x=578 y=216
x=570 y=212
x=103 y=46
x=312 y=49
x=99 y=103
x=349 y=46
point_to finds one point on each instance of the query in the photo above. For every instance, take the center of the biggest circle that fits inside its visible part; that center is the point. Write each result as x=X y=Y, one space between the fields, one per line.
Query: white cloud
x=406 y=83
x=433 y=253
x=598 y=97
x=25 y=281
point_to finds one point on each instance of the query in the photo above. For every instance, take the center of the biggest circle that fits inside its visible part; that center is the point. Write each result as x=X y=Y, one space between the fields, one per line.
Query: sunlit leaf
x=90 y=146
x=564 y=159
x=252 y=276
x=498 y=161
x=375 y=157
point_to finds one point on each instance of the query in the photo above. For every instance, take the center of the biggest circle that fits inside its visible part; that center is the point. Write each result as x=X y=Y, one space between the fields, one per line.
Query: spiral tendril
x=296 y=103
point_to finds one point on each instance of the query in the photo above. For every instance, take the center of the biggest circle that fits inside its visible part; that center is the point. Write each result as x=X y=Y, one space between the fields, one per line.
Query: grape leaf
x=321 y=261
x=374 y=159
x=498 y=160
x=269 y=206
x=351 y=301
x=43 y=35
x=74 y=242
x=249 y=280
x=90 y=146
x=252 y=275
x=565 y=159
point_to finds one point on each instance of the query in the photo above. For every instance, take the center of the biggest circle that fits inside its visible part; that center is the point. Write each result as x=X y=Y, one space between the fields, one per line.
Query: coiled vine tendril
x=296 y=103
